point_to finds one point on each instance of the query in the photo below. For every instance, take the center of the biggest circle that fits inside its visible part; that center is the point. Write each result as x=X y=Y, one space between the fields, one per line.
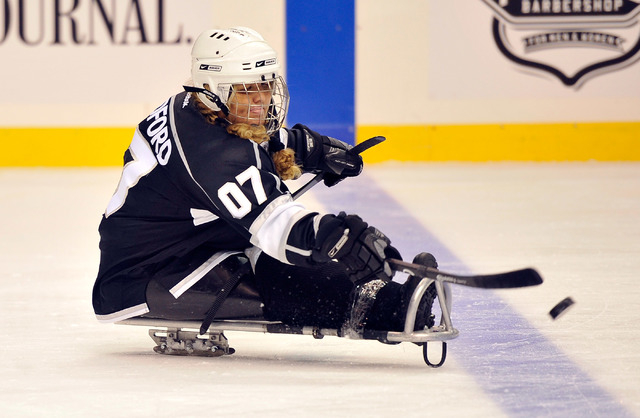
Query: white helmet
x=223 y=59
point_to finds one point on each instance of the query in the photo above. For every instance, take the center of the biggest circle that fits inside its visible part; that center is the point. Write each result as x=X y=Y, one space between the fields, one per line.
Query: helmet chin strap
x=211 y=96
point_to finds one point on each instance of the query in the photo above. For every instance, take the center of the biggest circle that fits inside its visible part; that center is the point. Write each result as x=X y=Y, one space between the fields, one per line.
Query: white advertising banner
x=88 y=62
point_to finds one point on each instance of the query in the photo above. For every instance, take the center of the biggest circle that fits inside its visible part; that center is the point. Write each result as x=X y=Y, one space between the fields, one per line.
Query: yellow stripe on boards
x=64 y=147
x=513 y=142
x=105 y=146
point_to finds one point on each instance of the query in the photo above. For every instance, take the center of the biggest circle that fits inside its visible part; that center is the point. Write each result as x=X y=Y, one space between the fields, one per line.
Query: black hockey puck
x=561 y=307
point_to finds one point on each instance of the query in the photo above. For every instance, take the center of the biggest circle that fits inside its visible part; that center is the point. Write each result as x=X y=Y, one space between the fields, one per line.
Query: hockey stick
x=363 y=146
x=511 y=279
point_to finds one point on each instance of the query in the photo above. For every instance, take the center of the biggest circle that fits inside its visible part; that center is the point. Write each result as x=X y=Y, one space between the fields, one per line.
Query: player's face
x=249 y=103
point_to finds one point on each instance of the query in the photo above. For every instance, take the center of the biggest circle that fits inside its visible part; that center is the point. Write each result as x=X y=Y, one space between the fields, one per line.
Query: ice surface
x=578 y=223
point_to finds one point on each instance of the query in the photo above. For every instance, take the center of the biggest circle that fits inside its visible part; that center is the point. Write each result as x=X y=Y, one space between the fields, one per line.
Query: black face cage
x=275 y=91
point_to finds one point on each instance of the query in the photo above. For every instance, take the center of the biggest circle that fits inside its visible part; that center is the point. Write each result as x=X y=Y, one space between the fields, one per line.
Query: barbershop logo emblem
x=573 y=40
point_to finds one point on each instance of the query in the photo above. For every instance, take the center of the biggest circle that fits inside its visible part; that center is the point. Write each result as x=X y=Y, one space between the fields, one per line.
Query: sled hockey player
x=202 y=226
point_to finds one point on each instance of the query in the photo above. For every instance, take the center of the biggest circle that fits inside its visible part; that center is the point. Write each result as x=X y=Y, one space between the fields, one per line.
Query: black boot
x=387 y=309
x=424 y=317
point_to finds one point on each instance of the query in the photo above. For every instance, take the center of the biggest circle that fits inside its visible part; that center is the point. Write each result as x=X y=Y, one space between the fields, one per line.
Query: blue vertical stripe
x=321 y=66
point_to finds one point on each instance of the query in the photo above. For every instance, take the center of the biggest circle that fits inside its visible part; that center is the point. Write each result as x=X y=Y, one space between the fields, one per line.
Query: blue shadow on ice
x=520 y=369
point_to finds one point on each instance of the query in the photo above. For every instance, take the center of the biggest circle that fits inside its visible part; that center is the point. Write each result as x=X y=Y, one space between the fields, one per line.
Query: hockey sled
x=185 y=337
x=207 y=338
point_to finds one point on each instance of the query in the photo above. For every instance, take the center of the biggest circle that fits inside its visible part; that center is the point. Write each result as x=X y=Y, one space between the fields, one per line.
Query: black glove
x=331 y=156
x=360 y=247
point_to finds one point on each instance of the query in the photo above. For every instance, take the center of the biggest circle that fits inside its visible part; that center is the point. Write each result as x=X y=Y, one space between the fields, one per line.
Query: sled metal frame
x=442 y=332
x=183 y=337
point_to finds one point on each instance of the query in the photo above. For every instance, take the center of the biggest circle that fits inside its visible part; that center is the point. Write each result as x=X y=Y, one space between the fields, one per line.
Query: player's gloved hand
x=360 y=247
x=331 y=156
x=341 y=162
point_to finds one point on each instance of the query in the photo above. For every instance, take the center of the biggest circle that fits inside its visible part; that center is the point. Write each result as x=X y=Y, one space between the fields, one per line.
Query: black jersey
x=191 y=191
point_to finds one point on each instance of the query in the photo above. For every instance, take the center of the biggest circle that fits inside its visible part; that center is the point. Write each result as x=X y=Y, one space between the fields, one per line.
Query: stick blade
x=367 y=143
x=508 y=280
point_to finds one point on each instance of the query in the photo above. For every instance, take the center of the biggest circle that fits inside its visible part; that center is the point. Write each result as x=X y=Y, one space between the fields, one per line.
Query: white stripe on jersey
x=270 y=230
x=294 y=219
x=176 y=138
x=284 y=137
x=200 y=272
x=305 y=253
x=257 y=152
x=124 y=314
x=202 y=216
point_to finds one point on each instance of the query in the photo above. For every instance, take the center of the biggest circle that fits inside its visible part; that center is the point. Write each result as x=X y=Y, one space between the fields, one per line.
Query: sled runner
x=185 y=338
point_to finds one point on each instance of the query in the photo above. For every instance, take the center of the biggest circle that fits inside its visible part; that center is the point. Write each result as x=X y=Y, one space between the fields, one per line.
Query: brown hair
x=284 y=159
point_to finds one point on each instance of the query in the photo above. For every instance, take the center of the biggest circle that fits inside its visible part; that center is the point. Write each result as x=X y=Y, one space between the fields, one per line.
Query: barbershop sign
x=571 y=40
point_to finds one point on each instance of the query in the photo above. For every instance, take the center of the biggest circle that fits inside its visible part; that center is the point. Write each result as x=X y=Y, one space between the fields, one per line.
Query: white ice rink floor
x=577 y=223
